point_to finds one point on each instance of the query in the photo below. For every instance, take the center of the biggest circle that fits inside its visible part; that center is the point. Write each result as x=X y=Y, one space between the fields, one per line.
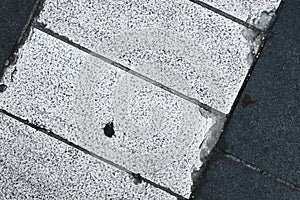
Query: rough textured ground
x=14 y=16
x=36 y=166
x=129 y=92
x=263 y=131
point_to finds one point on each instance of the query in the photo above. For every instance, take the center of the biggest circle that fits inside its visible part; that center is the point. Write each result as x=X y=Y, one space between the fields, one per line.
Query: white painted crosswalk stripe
x=36 y=166
x=157 y=134
x=143 y=86
x=177 y=43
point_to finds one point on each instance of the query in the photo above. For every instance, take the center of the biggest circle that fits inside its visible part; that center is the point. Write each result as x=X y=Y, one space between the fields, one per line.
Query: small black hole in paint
x=137 y=178
x=109 y=129
x=2 y=87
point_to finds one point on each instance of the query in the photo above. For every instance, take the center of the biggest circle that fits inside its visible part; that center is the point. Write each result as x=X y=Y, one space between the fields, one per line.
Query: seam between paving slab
x=258 y=170
x=208 y=108
x=206 y=160
x=138 y=178
x=33 y=22
x=38 y=7
x=219 y=154
x=228 y=16
x=214 y=132
x=233 y=157
x=265 y=36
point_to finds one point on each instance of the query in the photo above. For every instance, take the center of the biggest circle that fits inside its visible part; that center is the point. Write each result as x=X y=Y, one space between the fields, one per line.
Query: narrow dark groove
x=43 y=28
x=234 y=158
x=266 y=34
x=255 y=60
x=259 y=170
x=168 y=89
x=179 y=197
x=37 y=7
x=226 y=15
x=61 y=139
x=65 y=141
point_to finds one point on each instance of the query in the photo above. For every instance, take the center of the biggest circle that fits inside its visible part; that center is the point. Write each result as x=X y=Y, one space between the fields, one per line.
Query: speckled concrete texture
x=246 y=10
x=177 y=43
x=123 y=117
x=35 y=166
x=61 y=88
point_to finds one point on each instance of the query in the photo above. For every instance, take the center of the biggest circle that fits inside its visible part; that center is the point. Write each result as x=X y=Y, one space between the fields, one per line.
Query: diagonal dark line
x=61 y=139
x=226 y=15
x=266 y=36
x=136 y=176
x=42 y=28
x=235 y=158
x=259 y=170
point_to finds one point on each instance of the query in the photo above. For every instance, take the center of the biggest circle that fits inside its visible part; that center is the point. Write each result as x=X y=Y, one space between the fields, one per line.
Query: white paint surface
x=157 y=134
x=177 y=43
x=35 y=166
x=64 y=89
x=246 y=10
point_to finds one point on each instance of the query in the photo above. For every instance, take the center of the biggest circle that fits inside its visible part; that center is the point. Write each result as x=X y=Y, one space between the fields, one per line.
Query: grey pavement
x=228 y=179
x=264 y=129
x=14 y=18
